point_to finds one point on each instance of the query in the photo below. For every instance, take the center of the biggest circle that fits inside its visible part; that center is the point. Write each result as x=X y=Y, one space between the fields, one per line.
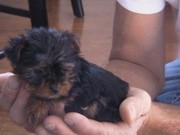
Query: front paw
x=73 y=107
x=89 y=111
x=35 y=113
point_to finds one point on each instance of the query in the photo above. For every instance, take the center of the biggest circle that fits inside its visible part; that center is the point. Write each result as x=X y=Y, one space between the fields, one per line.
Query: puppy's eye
x=33 y=77
x=39 y=71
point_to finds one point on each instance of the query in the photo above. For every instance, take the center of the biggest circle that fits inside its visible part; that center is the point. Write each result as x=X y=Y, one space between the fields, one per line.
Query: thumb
x=137 y=104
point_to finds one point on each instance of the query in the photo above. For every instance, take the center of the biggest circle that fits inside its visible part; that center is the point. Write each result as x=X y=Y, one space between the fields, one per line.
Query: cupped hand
x=13 y=98
x=134 y=111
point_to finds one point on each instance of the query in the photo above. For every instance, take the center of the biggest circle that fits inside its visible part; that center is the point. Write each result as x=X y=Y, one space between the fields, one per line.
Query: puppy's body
x=99 y=93
x=49 y=62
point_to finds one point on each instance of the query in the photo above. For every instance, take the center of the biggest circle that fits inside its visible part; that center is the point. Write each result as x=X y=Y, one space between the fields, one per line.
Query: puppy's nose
x=54 y=88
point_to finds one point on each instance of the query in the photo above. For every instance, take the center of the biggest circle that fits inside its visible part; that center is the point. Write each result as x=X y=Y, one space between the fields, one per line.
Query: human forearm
x=135 y=75
x=138 y=41
x=164 y=119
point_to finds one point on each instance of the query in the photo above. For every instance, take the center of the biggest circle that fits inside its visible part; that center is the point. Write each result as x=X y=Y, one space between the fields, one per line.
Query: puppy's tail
x=2 y=54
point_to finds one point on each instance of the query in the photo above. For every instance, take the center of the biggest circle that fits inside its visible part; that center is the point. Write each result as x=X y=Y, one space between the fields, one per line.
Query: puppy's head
x=46 y=59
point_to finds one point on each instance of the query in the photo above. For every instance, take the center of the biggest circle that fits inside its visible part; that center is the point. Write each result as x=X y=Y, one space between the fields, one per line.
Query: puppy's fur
x=49 y=63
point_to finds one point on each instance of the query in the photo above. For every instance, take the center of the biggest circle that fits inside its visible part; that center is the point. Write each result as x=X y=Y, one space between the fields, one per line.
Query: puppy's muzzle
x=54 y=88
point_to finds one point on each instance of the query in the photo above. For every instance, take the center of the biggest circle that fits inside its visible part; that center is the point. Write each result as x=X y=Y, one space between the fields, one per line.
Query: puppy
x=50 y=64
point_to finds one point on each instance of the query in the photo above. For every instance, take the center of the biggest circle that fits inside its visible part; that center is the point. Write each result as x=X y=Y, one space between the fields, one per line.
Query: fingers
x=17 y=110
x=57 y=109
x=40 y=130
x=13 y=98
x=83 y=126
x=138 y=103
x=4 y=76
x=77 y=124
x=55 y=126
x=9 y=88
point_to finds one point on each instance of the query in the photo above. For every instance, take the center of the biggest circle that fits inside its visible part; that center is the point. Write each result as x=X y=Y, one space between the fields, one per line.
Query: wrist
x=163 y=120
x=144 y=129
x=147 y=127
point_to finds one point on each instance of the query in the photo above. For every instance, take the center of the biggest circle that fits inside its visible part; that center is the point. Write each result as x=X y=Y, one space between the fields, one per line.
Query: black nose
x=54 y=88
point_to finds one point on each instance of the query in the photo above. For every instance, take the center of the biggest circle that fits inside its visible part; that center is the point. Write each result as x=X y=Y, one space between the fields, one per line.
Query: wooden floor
x=94 y=30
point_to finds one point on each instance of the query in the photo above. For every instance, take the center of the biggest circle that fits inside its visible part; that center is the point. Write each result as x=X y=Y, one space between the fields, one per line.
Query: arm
x=137 y=53
x=164 y=119
x=137 y=56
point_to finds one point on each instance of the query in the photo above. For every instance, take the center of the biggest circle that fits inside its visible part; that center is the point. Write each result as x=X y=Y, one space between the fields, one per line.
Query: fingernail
x=50 y=127
x=12 y=83
x=133 y=112
x=69 y=122
x=41 y=132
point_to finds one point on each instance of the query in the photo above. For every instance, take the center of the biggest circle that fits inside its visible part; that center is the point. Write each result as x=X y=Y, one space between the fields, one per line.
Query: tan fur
x=91 y=110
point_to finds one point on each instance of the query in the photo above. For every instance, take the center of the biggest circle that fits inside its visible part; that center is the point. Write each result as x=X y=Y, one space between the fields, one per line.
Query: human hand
x=13 y=98
x=134 y=111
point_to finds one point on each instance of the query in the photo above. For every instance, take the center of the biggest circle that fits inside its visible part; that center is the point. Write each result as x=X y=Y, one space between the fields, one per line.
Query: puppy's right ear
x=2 y=54
x=13 y=50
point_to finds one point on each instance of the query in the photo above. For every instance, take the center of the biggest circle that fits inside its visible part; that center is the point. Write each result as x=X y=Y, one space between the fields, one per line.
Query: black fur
x=94 y=84
x=49 y=58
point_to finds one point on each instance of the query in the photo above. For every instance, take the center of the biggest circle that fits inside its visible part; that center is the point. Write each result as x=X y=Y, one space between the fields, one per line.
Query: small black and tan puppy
x=49 y=62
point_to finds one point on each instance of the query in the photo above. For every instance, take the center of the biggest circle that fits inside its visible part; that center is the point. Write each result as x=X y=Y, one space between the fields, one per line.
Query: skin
x=13 y=98
x=137 y=54
x=138 y=59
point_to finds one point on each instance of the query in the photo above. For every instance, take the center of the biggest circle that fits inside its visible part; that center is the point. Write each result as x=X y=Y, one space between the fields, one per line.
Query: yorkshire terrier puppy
x=50 y=64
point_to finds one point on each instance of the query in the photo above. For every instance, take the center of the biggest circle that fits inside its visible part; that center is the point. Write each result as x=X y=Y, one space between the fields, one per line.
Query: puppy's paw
x=35 y=113
x=73 y=107
x=88 y=111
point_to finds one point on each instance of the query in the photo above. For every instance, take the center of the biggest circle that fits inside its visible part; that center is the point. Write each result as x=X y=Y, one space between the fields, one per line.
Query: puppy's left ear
x=13 y=50
x=76 y=44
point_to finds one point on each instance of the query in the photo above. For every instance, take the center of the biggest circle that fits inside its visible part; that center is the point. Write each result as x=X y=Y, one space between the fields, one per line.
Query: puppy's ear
x=13 y=50
x=71 y=39
x=76 y=44
x=2 y=54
